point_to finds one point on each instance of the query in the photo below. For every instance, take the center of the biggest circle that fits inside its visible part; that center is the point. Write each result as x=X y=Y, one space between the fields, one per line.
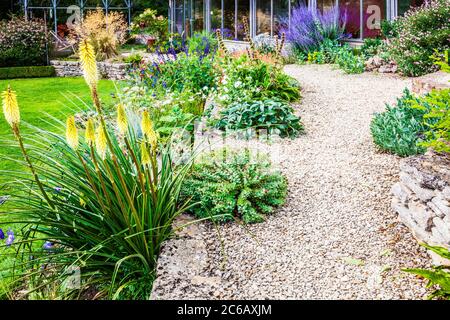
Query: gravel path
x=336 y=238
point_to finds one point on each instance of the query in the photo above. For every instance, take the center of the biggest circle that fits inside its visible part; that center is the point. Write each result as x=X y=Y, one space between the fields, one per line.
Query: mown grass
x=38 y=99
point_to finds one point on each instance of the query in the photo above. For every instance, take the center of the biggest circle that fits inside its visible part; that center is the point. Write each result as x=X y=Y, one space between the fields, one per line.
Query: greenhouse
x=268 y=16
x=59 y=12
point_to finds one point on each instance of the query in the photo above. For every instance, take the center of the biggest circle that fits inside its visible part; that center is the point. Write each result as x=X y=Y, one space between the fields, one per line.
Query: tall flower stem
x=30 y=166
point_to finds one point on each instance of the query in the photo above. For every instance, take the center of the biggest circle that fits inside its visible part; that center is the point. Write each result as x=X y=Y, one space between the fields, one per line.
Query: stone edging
x=422 y=200
x=107 y=70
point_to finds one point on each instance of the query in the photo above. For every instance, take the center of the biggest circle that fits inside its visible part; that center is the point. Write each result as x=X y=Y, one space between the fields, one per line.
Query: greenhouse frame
x=57 y=11
x=267 y=16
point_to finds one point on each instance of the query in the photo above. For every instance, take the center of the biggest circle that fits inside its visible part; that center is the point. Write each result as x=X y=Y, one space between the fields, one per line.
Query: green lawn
x=58 y=97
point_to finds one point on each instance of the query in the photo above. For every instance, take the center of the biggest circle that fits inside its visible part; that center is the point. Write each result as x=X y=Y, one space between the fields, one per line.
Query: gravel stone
x=338 y=208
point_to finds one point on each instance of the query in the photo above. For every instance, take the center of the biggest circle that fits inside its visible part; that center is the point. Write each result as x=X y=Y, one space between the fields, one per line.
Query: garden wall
x=422 y=199
x=107 y=70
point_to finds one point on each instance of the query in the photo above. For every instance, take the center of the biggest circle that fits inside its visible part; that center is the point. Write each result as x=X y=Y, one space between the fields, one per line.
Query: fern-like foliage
x=438 y=276
x=225 y=185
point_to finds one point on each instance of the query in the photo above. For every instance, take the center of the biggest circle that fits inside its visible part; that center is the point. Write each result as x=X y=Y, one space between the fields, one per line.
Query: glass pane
x=405 y=5
x=216 y=14
x=351 y=8
x=243 y=9
x=374 y=12
x=179 y=16
x=229 y=19
x=263 y=16
x=280 y=15
x=323 y=5
x=198 y=16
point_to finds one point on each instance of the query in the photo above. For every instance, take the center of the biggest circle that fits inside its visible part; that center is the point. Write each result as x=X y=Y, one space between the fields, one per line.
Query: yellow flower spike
x=145 y=156
x=122 y=121
x=147 y=129
x=100 y=142
x=88 y=63
x=11 y=107
x=90 y=132
x=72 y=133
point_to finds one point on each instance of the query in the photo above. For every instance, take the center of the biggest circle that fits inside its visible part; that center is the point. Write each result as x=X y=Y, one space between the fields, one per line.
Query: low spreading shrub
x=224 y=185
x=27 y=72
x=421 y=31
x=22 y=42
x=371 y=47
x=247 y=79
x=400 y=129
x=276 y=117
x=351 y=63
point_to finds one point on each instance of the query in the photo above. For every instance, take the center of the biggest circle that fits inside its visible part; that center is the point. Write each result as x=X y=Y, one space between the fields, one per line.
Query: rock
x=442 y=204
x=421 y=198
x=443 y=229
x=421 y=214
x=209 y=281
x=423 y=194
x=427 y=83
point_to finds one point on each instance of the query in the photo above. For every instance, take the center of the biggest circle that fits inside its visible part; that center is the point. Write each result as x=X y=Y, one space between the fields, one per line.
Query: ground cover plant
x=101 y=205
x=272 y=116
x=401 y=128
x=227 y=185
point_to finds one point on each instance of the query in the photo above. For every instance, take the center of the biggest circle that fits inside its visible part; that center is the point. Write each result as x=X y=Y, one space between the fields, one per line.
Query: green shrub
x=400 y=129
x=148 y=22
x=275 y=116
x=247 y=79
x=22 y=43
x=349 y=62
x=420 y=32
x=438 y=277
x=202 y=42
x=316 y=57
x=389 y=28
x=224 y=185
x=135 y=59
x=436 y=107
x=185 y=72
x=27 y=72
x=370 y=47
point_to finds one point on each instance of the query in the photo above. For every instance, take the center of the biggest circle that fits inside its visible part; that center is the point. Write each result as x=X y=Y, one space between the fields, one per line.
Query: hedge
x=27 y=72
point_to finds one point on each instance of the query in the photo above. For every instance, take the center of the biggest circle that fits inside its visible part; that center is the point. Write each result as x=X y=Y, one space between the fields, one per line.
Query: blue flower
x=47 y=245
x=58 y=189
x=2 y=234
x=10 y=238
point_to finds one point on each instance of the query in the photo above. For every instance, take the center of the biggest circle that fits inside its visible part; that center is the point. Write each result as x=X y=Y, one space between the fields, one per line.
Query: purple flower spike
x=2 y=234
x=10 y=238
x=58 y=189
